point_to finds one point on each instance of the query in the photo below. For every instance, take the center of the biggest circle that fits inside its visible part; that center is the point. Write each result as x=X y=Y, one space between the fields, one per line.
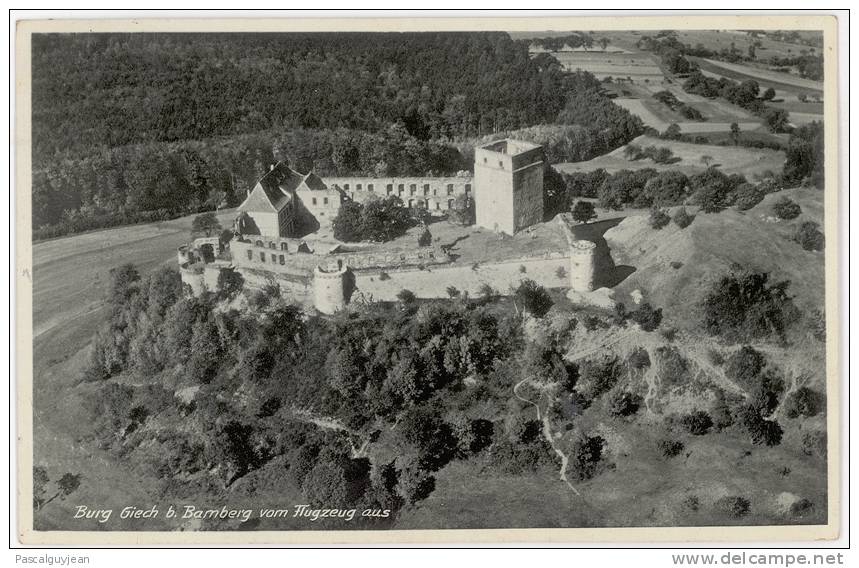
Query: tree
x=624 y=403
x=584 y=211
x=706 y=159
x=768 y=94
x=809 y=236
x=40 y=486
x=205 y=223
x=673 y=132
x=658 y=218
x=425 y=238
x=735 y=133
x=230 y=283
x=744 y=305
x=682 y=218
x=533 y=298
x=604 y=41
x=786 y=209
x=804 y=402
x=348 y=224
x=777 y=120
x=66 y=485
x=406 y=297
x=462 y=212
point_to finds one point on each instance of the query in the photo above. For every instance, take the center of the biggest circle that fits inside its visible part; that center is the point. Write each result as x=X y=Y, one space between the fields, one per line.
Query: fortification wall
x=550 y=271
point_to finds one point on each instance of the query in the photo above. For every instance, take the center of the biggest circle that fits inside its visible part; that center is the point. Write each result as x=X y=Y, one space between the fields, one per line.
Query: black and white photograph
x=400 y=277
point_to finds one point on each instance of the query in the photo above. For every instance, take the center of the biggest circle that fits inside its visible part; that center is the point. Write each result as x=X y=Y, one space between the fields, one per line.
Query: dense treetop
x=116 y=89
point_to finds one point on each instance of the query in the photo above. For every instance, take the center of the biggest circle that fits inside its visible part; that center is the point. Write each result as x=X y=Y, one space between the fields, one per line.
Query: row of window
x=281 y=259
x=413 y=188
x=272 y=245
x=274 y=257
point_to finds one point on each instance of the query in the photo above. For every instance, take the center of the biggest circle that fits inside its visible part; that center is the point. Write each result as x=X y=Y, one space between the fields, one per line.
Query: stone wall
x=550 y=270
x=437 y=194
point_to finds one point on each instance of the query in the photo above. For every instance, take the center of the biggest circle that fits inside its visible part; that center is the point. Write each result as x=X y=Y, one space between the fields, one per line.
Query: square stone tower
x=508 y=185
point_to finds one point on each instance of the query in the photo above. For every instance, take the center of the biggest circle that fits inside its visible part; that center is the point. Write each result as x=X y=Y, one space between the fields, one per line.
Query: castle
x=284 y=206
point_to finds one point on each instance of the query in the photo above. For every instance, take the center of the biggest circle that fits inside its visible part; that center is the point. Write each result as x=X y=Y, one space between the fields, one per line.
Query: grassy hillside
x=674 y=266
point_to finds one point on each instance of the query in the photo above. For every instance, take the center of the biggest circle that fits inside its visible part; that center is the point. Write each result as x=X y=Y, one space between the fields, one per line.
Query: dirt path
x=547 y=434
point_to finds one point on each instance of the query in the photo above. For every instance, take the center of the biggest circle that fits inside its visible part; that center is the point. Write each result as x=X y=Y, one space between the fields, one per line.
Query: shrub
x=697 y=423
x=814 y=443
x=533 y=297
x=733 y=506
x=669 y=448
x=761 y=431
x=785 y=208
x=561 y=272
x=522 y=269
x=809 y=236
x=742 y=306
x=690 y=504
x=639 y=358
x=647 y=317
x=801 y=508
x=425 y=238
x=453 y=292
x=583 y=212
x=598 y=376
x=384 y=276
x=624 y=403
x=804 y=402
x=747 y=196
x=658 y=218
x=406 y=297
x=585 y=456
x=676 y=264
x=744 y=366
x=674 y=368
x=682 y=218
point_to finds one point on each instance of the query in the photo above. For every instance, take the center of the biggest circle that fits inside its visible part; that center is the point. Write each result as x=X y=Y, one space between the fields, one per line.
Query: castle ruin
x=507 y=190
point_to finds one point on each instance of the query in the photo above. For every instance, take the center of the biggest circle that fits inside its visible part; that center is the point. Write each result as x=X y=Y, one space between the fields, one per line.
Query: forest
x=136 y=127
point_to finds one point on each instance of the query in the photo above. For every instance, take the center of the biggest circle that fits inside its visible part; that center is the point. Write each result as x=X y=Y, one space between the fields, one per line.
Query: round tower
x=582 y=255
x=329 y=289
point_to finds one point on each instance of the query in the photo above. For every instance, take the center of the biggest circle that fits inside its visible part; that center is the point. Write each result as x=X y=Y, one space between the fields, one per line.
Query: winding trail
x=547 y=434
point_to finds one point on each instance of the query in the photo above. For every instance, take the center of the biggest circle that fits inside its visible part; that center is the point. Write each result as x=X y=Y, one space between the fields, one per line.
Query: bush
x=425 y=238
x=585 y=456
x=673 y=366
x=624 y=403
x=814 y=443
x=761 y=431
x=658 y=218
x=533 y=298
x=744 y=366
x=747 y=196
x=639 y=358
x=682 y=218
x=384 y=276
x=669 y=448
x=804 y=402
x=583 y=212
x=697 y=423
x=647 y=317
x=742 y=306
x=406 y=297
x=786 y=209
x=598 y=376
x=801 y=508
x=809 y=236
x=733 y=506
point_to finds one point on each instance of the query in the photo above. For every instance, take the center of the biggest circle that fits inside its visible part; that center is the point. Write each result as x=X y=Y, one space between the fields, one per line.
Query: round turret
x=582 y=266
x=329 y=289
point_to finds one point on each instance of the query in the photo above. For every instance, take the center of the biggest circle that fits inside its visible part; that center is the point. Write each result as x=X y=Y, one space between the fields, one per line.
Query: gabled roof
x=273 y=190
x=312 y=182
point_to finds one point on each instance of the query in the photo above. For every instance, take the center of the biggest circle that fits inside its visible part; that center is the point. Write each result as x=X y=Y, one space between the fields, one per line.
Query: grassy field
x=731 y=159
x=636 y=66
